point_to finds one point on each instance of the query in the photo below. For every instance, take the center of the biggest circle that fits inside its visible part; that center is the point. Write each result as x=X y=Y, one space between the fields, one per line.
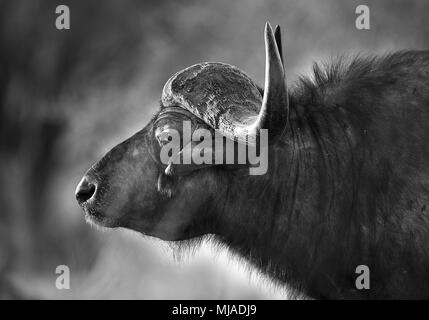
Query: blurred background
x=68 y=96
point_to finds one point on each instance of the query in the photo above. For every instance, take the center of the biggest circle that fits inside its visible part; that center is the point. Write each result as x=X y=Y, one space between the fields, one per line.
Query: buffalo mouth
x=91 y=198
x=95 y=217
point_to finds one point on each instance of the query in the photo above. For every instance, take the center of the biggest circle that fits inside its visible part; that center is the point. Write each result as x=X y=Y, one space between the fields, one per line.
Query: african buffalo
x=347 y=181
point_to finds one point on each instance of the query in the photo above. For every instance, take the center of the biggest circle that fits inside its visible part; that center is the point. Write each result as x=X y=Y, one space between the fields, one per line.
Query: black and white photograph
x=214 y=154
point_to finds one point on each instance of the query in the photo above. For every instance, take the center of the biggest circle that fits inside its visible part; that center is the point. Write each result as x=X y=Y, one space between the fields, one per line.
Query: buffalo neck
x=287 y=221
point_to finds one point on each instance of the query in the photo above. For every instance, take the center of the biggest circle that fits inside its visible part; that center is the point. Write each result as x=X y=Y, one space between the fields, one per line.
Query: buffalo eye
x=164 y=135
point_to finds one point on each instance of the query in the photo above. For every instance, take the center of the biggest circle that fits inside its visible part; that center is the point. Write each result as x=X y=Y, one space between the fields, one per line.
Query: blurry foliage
x=67 y=96
x=38 y=66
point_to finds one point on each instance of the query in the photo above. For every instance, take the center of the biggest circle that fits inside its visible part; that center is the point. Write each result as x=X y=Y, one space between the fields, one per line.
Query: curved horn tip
x=277 y=34
x=278 y=37
x=268 y=28
x=272 y=52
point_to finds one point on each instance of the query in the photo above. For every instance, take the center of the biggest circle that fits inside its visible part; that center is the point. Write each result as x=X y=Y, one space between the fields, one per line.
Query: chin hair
x=184 y=249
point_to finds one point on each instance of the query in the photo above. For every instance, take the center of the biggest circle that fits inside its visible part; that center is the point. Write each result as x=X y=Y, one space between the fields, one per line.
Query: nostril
x=85 y=190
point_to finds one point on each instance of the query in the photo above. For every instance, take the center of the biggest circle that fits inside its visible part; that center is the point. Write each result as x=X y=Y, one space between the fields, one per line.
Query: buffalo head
x=132 y=187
